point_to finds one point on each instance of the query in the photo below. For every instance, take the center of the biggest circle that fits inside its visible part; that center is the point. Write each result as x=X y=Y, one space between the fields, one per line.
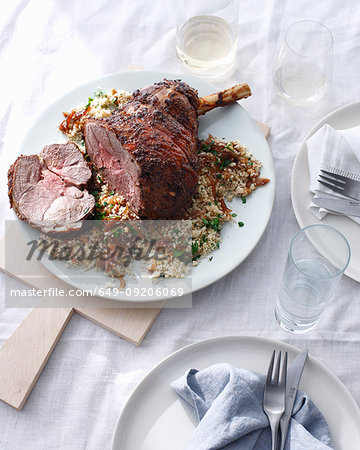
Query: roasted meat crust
x=158 y=128
x=11 y=182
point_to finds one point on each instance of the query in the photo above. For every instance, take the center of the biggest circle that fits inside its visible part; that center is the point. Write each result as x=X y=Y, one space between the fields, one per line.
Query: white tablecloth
x=49 y=47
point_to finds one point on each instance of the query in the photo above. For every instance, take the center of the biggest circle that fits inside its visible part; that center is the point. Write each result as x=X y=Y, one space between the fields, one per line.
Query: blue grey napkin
x=227 y=402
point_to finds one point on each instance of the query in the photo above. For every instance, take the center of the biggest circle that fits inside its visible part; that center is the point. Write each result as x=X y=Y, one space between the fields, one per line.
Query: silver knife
x=340 y=205
x=292 y=383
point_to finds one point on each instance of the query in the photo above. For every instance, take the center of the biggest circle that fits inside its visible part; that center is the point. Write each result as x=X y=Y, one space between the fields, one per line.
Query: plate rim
x=302 y=149
x=163 y=74
x=209 y=341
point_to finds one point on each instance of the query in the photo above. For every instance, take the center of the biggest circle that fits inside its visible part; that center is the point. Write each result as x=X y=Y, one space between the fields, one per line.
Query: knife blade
x=293 y=380
x=340 y=205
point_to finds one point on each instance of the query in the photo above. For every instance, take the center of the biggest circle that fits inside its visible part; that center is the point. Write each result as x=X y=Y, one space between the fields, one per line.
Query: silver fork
x=342 y=185
x=275 y=395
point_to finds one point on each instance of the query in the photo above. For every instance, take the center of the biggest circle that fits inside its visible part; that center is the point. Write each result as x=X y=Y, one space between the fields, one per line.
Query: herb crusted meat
x=147 y=150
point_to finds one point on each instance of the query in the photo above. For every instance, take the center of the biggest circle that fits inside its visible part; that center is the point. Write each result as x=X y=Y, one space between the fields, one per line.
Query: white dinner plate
x=341 y=119
x=231 y=122
x=154 y=417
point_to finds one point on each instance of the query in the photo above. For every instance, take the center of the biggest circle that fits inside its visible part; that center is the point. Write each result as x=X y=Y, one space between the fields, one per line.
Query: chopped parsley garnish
x=233 y=215
x=229 y=147
x=211 y=258
x=206 y=222
x=243 y=199
x=194 y=247
x=218 y=175
x=116 y=233
x=99 y=216
x=241 y=224
x=215 y=224
x=207 y=148
x=99 y=93
x=178 y=253
x=224 y=163
x=90 y=100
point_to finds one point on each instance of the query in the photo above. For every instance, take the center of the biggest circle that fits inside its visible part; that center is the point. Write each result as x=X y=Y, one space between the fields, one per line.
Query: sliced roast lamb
x=147 y=150
x=66 y=161
x=48 y=190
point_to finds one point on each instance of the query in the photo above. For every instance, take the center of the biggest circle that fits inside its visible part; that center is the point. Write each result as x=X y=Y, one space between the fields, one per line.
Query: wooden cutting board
x=25 y=353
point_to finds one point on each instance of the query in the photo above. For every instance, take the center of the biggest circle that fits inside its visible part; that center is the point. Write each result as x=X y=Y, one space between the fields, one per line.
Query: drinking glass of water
x=318 y=256
x=303 y=66
x=206 y=36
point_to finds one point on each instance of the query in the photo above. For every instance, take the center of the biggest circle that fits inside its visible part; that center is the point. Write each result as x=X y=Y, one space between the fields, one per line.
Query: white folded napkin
x=337 y=151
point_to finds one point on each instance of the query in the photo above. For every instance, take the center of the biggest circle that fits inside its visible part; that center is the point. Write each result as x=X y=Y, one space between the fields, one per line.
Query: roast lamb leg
x=147 y=150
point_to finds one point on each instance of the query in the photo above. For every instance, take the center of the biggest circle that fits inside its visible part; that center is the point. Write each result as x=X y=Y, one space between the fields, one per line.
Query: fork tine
x=284 y=369
x=277 y=369
x=335 y=175
x=339 y=183
x=270 y=370
x=332 y=187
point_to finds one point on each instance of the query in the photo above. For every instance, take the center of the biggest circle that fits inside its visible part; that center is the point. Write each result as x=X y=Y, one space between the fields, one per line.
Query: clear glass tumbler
x=318 y=256
x=207 y=36
x=303 y=66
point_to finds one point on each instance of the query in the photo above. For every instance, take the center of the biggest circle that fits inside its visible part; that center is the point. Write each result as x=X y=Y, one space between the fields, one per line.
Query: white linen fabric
x=49 y=47
x=337 y=151
x=227 y=405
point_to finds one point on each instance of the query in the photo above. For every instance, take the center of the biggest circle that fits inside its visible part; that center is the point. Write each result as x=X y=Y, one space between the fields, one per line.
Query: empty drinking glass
x=206 y=36
x=317 y=258
x=303 y=66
